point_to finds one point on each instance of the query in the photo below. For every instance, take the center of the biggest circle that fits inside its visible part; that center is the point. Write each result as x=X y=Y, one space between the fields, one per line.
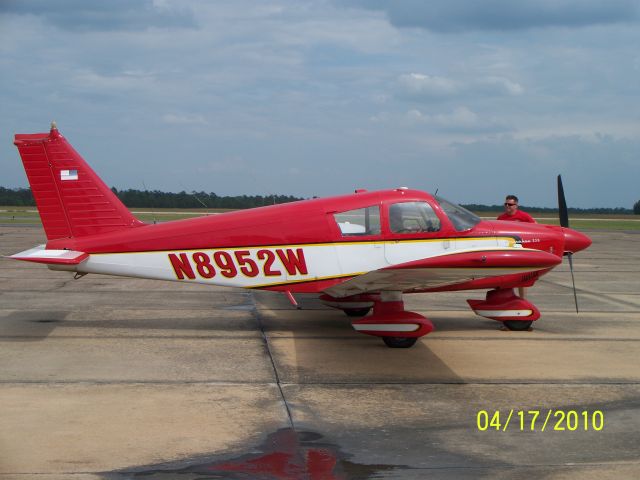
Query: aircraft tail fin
x=72 y=200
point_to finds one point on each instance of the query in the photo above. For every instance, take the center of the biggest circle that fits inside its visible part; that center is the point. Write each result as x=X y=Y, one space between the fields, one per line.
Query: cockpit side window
x=359 y=222
x=413 y=217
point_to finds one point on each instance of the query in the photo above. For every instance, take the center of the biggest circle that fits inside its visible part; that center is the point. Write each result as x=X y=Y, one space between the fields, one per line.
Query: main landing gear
x=399 y=342
x=503 y=305
x=356 y=312
x=518 y=325
x=397 y=327
x=400 y=328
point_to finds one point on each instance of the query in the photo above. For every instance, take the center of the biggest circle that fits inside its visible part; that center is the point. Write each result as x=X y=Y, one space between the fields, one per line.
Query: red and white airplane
x=357 y=252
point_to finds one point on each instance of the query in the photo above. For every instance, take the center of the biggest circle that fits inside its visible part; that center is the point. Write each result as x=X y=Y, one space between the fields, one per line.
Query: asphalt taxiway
x=107 y=377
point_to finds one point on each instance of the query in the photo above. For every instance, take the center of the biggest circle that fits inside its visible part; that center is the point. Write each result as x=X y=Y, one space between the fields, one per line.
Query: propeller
x=563 y=212
x=562 y=205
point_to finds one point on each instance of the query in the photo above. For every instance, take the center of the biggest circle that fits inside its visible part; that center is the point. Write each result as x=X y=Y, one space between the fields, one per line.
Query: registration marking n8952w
x=261 y=262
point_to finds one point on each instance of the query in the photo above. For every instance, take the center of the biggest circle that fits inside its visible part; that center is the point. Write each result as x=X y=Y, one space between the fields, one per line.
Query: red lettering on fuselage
x=247 y=266
x=181 y=266
x=293 y=261
x=240 y=262
x=203 y=265
x=225 y=263
x=269 y=258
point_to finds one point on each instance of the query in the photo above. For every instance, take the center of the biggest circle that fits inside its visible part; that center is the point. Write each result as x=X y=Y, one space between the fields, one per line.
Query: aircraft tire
x=517 y=325
x=399 y=342
x=356 y=312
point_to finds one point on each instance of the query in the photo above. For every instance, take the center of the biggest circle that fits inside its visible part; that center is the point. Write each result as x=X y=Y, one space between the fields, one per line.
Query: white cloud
x=184 y=119
x=419 y=86
x=452 y=16
x=115 y=15
x=129 y=80
x=501 y=85
x=459 y=120
x=461 y=117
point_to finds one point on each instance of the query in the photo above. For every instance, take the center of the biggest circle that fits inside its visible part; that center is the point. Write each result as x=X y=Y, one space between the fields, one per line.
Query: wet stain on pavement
x=30 y=326
x=284 y=455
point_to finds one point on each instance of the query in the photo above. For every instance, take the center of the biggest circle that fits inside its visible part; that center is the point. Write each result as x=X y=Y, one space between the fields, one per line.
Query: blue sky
x=475 y=99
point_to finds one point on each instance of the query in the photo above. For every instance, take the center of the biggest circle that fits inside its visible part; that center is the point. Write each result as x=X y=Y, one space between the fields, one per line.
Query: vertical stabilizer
x=72 y=200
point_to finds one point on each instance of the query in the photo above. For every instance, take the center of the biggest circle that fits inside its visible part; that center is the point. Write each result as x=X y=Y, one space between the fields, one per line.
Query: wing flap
x=40 y=254
x=446 y=270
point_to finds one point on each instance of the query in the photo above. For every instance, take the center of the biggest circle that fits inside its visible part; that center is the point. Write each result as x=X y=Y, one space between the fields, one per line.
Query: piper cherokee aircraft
x=357 y=252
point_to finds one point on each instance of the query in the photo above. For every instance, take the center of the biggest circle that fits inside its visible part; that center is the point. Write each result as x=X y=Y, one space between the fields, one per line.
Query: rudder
x=72 y=200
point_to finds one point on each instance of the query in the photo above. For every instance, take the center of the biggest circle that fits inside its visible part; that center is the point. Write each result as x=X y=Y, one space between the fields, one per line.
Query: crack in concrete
x=256 y=313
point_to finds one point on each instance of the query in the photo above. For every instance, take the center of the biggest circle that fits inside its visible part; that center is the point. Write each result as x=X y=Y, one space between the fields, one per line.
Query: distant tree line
x=605 y=211
x=158 y=199
x=15 y=197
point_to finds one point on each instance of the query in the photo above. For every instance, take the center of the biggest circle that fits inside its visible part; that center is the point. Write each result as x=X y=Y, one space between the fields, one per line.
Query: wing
x=446 y=270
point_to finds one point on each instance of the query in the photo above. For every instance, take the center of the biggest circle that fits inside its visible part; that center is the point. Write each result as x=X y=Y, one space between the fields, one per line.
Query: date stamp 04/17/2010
x=540 y=420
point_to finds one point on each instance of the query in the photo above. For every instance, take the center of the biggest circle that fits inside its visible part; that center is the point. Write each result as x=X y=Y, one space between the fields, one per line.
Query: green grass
x=598 y=224
x=29 y=216
x=585 y=221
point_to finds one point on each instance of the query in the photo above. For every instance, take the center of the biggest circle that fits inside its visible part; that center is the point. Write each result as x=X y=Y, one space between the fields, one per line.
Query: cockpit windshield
x=461 y=218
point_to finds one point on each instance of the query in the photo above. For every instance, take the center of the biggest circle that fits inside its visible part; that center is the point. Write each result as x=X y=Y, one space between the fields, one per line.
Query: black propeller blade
x=562 y=205
x=563 y=212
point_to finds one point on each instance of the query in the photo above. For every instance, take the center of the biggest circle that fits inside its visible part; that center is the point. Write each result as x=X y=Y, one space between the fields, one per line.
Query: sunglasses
x=510 y=204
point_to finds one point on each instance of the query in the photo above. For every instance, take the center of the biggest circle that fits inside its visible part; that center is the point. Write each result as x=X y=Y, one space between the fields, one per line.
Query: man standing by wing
x=511 y=212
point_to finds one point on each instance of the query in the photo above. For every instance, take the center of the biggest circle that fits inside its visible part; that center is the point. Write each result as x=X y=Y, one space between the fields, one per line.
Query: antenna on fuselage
x=155 y=219
x=200 y=201
x=193 y=193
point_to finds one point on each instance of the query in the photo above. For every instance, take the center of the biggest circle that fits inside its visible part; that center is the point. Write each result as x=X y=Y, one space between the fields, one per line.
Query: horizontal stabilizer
x=40 y=254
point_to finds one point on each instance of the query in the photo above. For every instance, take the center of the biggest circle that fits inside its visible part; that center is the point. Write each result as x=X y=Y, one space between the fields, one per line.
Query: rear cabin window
x=413 y=217
x=359 y=222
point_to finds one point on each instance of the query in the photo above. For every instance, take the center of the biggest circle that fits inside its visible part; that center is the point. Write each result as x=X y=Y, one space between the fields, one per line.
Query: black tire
x=517 y=325
x=357 y=312
x=399 y=342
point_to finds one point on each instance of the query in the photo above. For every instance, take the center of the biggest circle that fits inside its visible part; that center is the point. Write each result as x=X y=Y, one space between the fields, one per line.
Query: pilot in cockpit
x=396 y=220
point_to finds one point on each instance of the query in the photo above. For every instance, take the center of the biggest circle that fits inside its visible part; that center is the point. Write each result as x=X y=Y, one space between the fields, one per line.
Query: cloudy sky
x=474 y=98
